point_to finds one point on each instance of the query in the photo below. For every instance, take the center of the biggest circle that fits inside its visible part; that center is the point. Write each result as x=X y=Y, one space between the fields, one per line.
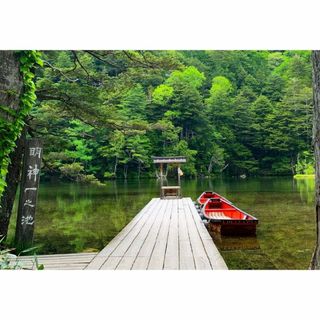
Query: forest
x=104 y=114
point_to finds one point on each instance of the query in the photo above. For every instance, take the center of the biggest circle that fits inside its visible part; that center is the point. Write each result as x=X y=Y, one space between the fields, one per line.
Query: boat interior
x=219 y=209
x=208 y=195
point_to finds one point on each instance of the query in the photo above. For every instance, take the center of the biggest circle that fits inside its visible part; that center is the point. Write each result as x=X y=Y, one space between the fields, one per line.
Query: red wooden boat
x=204 y=196
x=226 y=218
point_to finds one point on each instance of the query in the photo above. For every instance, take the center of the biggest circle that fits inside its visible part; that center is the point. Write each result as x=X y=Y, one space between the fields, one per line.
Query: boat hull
x=246 y=242
x=233 y=227
x=225 y=218
x=203 y=198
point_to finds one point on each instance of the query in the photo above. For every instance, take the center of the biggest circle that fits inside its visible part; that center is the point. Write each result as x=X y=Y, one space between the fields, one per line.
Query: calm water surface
x=75 y=218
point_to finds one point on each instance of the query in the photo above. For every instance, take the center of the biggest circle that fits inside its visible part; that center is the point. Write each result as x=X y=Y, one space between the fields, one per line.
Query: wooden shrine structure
x=170 y=191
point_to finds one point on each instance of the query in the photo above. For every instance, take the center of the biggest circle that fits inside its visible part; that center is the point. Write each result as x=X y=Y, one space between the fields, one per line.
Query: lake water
x=76 y=218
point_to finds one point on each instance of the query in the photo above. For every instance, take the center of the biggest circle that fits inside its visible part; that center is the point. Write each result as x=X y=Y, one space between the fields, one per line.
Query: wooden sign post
x=28 y=194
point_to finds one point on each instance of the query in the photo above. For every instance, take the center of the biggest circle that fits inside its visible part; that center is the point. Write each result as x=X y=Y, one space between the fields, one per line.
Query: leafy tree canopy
x=105 y=113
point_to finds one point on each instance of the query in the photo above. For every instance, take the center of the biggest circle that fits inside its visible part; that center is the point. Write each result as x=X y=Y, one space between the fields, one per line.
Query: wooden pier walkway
x=69 y=261
x=166 y=234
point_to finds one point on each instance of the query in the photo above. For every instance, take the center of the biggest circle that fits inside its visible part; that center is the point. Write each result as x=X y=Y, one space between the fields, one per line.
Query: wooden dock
x=166 y=234
x=70 y=261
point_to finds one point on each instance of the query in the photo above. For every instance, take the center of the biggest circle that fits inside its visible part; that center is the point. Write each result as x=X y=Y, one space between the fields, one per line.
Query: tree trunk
x=115 y=167
x=210 y=165
x=139 y=169
x=315 y=263
x=10 y=83
x=12 y=179
x=125 y=171
x=293 y=164
x=11 y=87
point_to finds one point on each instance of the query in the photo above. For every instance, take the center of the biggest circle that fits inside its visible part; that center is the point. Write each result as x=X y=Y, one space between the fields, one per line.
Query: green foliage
x=182 y=149
x=190 y=75
x=10 y=130
x=305 y=163
x=229 y=111
x=221 y=87
x=162 y=94
x=74 y=171
x=133 y=103
x=282 y=166
x=10 y=261
x=79 y=148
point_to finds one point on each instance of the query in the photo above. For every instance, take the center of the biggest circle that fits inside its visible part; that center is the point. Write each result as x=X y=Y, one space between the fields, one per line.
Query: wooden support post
x=161 y=170
x=28 y=194
x=161 y=180
x=179 y=181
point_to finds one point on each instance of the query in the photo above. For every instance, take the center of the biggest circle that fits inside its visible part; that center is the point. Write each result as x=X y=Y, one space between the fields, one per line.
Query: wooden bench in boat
x=170 y=192
x=219 y=215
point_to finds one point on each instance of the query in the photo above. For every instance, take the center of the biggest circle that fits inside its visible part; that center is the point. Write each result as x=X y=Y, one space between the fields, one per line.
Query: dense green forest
x=103 y=114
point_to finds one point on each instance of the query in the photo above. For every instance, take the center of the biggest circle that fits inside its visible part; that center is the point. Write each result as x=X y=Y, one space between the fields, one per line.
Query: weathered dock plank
x=212 y=251
x=135 y=247
x=159 y=250
x=144 y=255
x=186 y=254
x=200 y=257
x=125 y=238
x=167 y=234
x=171 y=260
x=72 y=261
x=101 y=258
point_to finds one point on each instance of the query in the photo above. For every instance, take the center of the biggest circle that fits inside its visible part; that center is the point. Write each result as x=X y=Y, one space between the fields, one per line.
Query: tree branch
x=80 y=64
x=95 y=55
x=47 y=63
